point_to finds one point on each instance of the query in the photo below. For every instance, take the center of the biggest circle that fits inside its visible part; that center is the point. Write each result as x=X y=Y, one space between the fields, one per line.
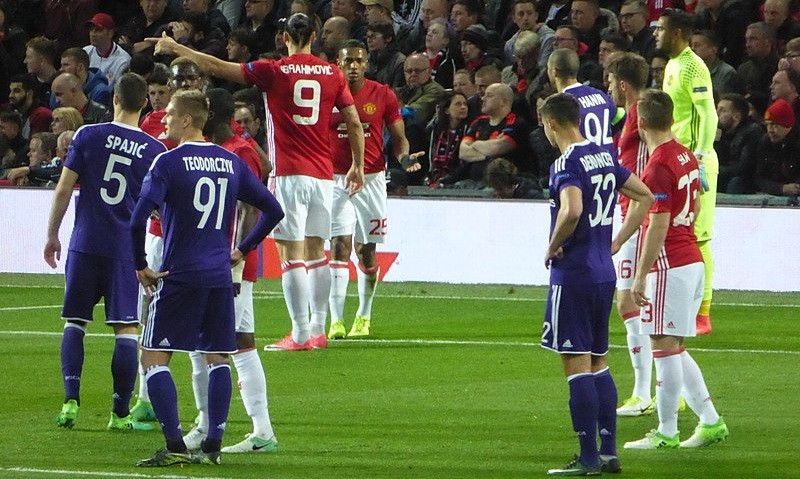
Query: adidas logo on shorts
x=164 y=342
x=567 y=344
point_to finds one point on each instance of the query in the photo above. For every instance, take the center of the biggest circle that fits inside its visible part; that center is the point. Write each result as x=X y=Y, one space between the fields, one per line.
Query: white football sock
x=695 y=391
x=319 y=281
x=295 y=291
x=200 y=388
x=669 y=375
x=367 y=283
x=253 y=388
x=641 y=358
x=340 y=277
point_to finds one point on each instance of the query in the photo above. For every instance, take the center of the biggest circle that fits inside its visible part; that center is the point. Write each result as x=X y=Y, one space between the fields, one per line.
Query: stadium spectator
x=41 y=150
x=260 y=18
x=385 y=59
x=591 y=20
x=525 y=76
x=445 y=133
x=777 y=15
x=475 y=48
x=502 y=176
x=610 y=42
x=306 y=7
x=755 y=74
x=791 y=59
x=66 y=118
x=429 y=11
x=555 y=12
x=657 y=66
x=94 y=83
x=634 y=22
x=194 y=31
x=67 y=21
x=351 y=11
x=498 y=132
x=729 y=20
x=241 y=45
x=250 y=123
x=589 y=71
x=778 y=164
x=67 y=91
x=525 y=16
x=418 y=96
x=464 y=83
x=335 y=31
x=444 y=60
x=203 y=8
x=737 y=145
x=723 y=76
x=47 y=173
x=22 y=97
x=152 y=18
x=105 y=55
x=12 y=50
x=785 y=86
x=40 y=57
x=231 y=10
x=11 y=131
x=464 y=14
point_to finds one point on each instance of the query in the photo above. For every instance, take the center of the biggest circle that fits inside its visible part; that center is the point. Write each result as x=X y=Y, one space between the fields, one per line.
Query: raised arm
x=212 y=65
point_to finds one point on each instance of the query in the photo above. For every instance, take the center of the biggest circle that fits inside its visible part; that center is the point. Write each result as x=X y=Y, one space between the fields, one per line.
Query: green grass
x=451 y=385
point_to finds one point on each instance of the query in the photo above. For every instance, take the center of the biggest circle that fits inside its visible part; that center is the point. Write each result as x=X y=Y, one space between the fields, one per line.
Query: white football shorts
x=675 y=295
x=307 y=204
x=625 y=261
x=362 y=215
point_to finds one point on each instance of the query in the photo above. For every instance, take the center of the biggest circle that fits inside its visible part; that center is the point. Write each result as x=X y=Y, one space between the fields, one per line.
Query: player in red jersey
x=627 y=77
x=670 y=271
x=363 y=214
x=300 y=92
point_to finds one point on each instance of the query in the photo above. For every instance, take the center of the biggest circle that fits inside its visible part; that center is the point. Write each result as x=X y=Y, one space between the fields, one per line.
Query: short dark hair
x=794 y=77
x=159 y=75
x=385 y=29
x=679 y=20
x=501 y=172
x=48 y=141
x=655 y=108
x=131 y=91
x=630 y=68
x=738 y=102
x=44 y=47
x=711 y=36
x=11 y=116
x=77 y=54
x=521 y=2
x=563 y=108
x=221 y=104
x=353 y=43
x=244 y=36
x=473 y=7
x=300 y=27
x=28 y=82
x=617 y=39
x=659 y=53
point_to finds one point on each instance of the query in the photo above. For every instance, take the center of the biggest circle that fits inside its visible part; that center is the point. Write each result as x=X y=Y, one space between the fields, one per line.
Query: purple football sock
x=72 y=360
x=607 y=416
x=124 y=369
x=219 y=400
x=164 y=397
x=583 y=406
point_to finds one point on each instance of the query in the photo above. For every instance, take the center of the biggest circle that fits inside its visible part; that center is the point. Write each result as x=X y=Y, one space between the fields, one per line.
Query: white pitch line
x=48 y=306
x=432 y=342
x=64 y=472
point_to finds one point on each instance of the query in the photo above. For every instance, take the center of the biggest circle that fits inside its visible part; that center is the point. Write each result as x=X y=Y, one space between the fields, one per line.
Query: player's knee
x=245 y=341
x=341 y=247
x=625 y=303
x=366 y=255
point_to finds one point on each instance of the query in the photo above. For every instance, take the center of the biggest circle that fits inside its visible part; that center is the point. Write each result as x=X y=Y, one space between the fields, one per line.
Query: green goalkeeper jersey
x=688 y=82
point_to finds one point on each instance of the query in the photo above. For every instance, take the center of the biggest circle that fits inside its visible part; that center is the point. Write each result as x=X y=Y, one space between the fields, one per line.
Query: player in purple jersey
x=598 y=112
x=195 y=188
x=583 y=185
x=110 y=160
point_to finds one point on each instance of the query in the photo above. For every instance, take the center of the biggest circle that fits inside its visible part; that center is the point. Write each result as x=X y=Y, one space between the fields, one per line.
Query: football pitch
x=452 y=384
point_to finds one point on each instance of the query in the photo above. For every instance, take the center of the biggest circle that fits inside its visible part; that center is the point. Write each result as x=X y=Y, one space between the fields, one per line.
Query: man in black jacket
x=778 y=168
x=736 y=147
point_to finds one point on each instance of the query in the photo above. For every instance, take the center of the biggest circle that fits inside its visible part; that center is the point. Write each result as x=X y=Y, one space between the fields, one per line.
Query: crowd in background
x=59 y=60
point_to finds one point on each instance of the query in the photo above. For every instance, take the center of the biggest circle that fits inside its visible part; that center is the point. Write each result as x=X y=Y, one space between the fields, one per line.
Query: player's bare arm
x=569 y=214
x=400 y=148
x=355 y=135
x=212 y=65
x=653 y=242
x=641 y=200
x=52 y=248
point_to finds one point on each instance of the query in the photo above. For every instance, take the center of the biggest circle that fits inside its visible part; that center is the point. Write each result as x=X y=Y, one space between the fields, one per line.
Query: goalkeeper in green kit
x=688 y=82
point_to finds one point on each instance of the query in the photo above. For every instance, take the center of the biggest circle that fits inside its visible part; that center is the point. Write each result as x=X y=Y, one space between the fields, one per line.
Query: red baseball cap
x=102 y=20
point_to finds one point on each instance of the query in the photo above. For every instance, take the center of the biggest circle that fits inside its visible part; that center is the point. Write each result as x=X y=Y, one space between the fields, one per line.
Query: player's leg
x=81 y=293
x=290 y=239
x=154 y=250
x=704 y=230
x=252 y=380
x=371 y=229
x=341 y=246
x=317 y=230
x=603 y=381
x=367 y=271
x=198 y=433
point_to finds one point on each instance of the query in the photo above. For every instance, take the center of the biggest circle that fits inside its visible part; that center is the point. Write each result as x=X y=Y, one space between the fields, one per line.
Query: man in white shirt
x=104 y=53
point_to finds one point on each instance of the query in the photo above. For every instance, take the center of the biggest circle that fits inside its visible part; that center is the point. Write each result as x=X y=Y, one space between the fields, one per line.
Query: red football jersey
x=377 y=106
x=632 y=151
x=242 y=148
x=300 y=92
x=673 y=175
x=151 y=124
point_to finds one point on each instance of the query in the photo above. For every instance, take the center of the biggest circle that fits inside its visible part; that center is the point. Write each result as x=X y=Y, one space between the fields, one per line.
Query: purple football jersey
x=587 y=252
x=111 y=160
x=597 y=114
x=197 y=185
